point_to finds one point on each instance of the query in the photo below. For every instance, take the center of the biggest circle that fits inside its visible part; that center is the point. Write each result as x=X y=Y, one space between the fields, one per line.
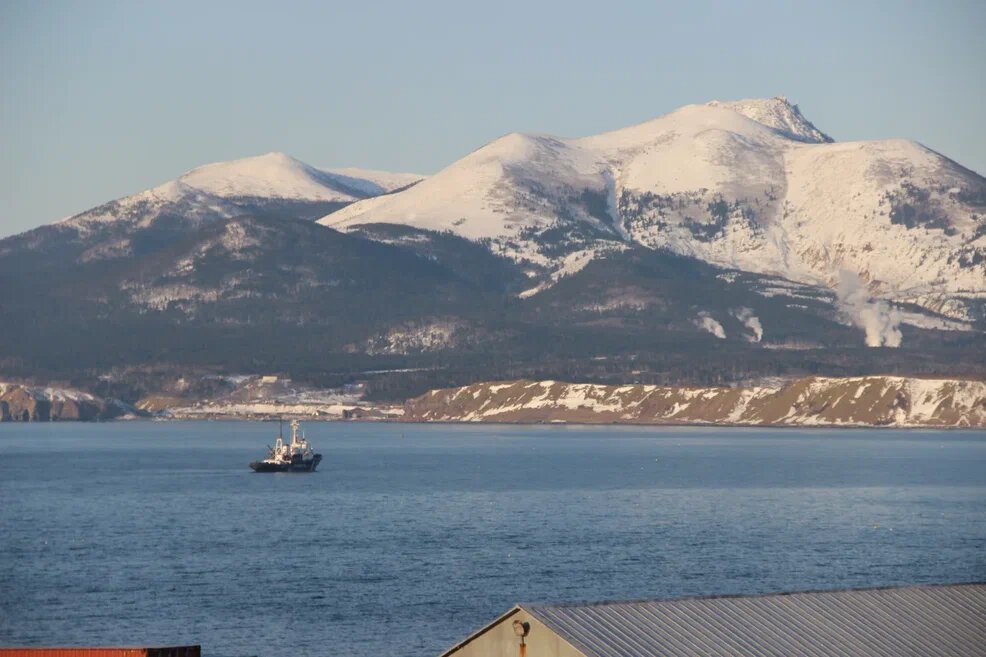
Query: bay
x=409 y=537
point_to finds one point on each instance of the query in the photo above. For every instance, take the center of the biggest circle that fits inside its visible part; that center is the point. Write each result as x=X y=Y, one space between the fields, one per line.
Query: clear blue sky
x=102 y=99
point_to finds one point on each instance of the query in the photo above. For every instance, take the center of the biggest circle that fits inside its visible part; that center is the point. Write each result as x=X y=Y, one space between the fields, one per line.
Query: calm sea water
x=410 y=537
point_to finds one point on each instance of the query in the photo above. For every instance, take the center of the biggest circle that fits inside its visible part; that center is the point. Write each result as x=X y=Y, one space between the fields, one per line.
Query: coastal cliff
x=871 y=401
x=25 y=403
x=815 y=401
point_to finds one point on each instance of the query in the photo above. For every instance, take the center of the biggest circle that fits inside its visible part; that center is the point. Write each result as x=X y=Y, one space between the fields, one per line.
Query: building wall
x=500 y=641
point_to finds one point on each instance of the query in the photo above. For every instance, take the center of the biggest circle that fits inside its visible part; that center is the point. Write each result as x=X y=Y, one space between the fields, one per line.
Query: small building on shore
x=917 y=621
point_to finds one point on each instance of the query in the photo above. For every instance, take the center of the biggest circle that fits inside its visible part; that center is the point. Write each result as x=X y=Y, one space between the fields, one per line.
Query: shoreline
x=505 y=423
x=873 y=402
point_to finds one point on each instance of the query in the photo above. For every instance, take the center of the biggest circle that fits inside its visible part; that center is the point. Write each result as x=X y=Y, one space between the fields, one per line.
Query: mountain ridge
x=223 y=189
x=701 y=247
x=775 y=196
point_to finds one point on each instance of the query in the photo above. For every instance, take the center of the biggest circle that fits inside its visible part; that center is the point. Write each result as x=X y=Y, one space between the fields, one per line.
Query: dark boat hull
x=296 y=466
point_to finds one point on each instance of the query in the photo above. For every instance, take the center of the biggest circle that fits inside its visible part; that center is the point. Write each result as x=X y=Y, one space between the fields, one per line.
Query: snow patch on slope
x=817 y=401
x=173 y=198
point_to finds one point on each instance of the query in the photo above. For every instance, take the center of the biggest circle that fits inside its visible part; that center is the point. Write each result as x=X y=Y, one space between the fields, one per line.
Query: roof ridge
x=728 y=596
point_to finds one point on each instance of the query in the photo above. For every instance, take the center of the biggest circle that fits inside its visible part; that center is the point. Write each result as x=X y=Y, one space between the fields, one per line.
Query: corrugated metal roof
x=920 y=621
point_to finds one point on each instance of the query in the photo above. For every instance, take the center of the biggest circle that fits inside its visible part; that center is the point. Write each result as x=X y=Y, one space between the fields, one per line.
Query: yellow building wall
x=500 y=641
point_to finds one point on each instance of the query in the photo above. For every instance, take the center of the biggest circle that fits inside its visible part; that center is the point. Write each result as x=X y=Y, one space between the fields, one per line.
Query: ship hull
x=296 y=466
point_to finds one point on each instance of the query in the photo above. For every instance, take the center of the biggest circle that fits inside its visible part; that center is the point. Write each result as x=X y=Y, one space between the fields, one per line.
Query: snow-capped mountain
x=225 y=189
x=274 y=184
x=749 y=185
x=719 y=243
x=277 y=175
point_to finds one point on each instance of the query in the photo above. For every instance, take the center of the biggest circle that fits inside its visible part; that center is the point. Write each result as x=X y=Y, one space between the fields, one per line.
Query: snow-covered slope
x=514 y=187
x=508 y=191
x=225 y=189
x=274 y=175
x=778 y=114
x=372 y=182
x=749 y=184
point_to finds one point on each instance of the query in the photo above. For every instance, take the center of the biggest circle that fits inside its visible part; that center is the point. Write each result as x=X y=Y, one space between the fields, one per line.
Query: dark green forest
x=268 y=293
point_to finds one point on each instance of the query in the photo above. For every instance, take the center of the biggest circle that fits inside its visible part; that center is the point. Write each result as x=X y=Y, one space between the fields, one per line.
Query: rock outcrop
x=23 y=403
x=815 y=401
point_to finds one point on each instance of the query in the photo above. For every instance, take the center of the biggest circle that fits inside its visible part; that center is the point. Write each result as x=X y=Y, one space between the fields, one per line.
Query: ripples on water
x=410 y=537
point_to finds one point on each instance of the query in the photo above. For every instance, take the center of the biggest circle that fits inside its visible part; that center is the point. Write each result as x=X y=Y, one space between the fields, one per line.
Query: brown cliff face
x=21 y=403
x=815 y=401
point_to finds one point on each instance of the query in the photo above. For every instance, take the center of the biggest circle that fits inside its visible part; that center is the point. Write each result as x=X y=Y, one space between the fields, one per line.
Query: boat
x=296 y=456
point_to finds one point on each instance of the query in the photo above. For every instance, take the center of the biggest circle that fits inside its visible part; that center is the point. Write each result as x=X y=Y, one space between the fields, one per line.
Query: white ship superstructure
x=295 y=456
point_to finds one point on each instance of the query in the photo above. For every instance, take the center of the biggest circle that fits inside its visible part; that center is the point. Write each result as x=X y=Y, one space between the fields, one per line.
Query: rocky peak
x=777 y=113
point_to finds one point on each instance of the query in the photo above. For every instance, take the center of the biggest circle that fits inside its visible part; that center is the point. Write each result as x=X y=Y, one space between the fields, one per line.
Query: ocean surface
x=409 y=537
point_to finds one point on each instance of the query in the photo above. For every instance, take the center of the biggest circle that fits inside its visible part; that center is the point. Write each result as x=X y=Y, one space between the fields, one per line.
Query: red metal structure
x=128 y=651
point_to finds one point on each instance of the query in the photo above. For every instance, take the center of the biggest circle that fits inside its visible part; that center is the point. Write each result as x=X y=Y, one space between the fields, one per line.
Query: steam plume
x=750 y=321
x=707 y=322
x=880 y=322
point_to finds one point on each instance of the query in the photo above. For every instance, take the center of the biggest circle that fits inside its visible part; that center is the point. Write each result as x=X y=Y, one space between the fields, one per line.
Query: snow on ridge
x=277 y=175
x=792 y=203
x=213 y=190
x=777 y=113
x=796 y=205
x=272 y=175
x=475 y=196
x=144 y=207
x=496 y=190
